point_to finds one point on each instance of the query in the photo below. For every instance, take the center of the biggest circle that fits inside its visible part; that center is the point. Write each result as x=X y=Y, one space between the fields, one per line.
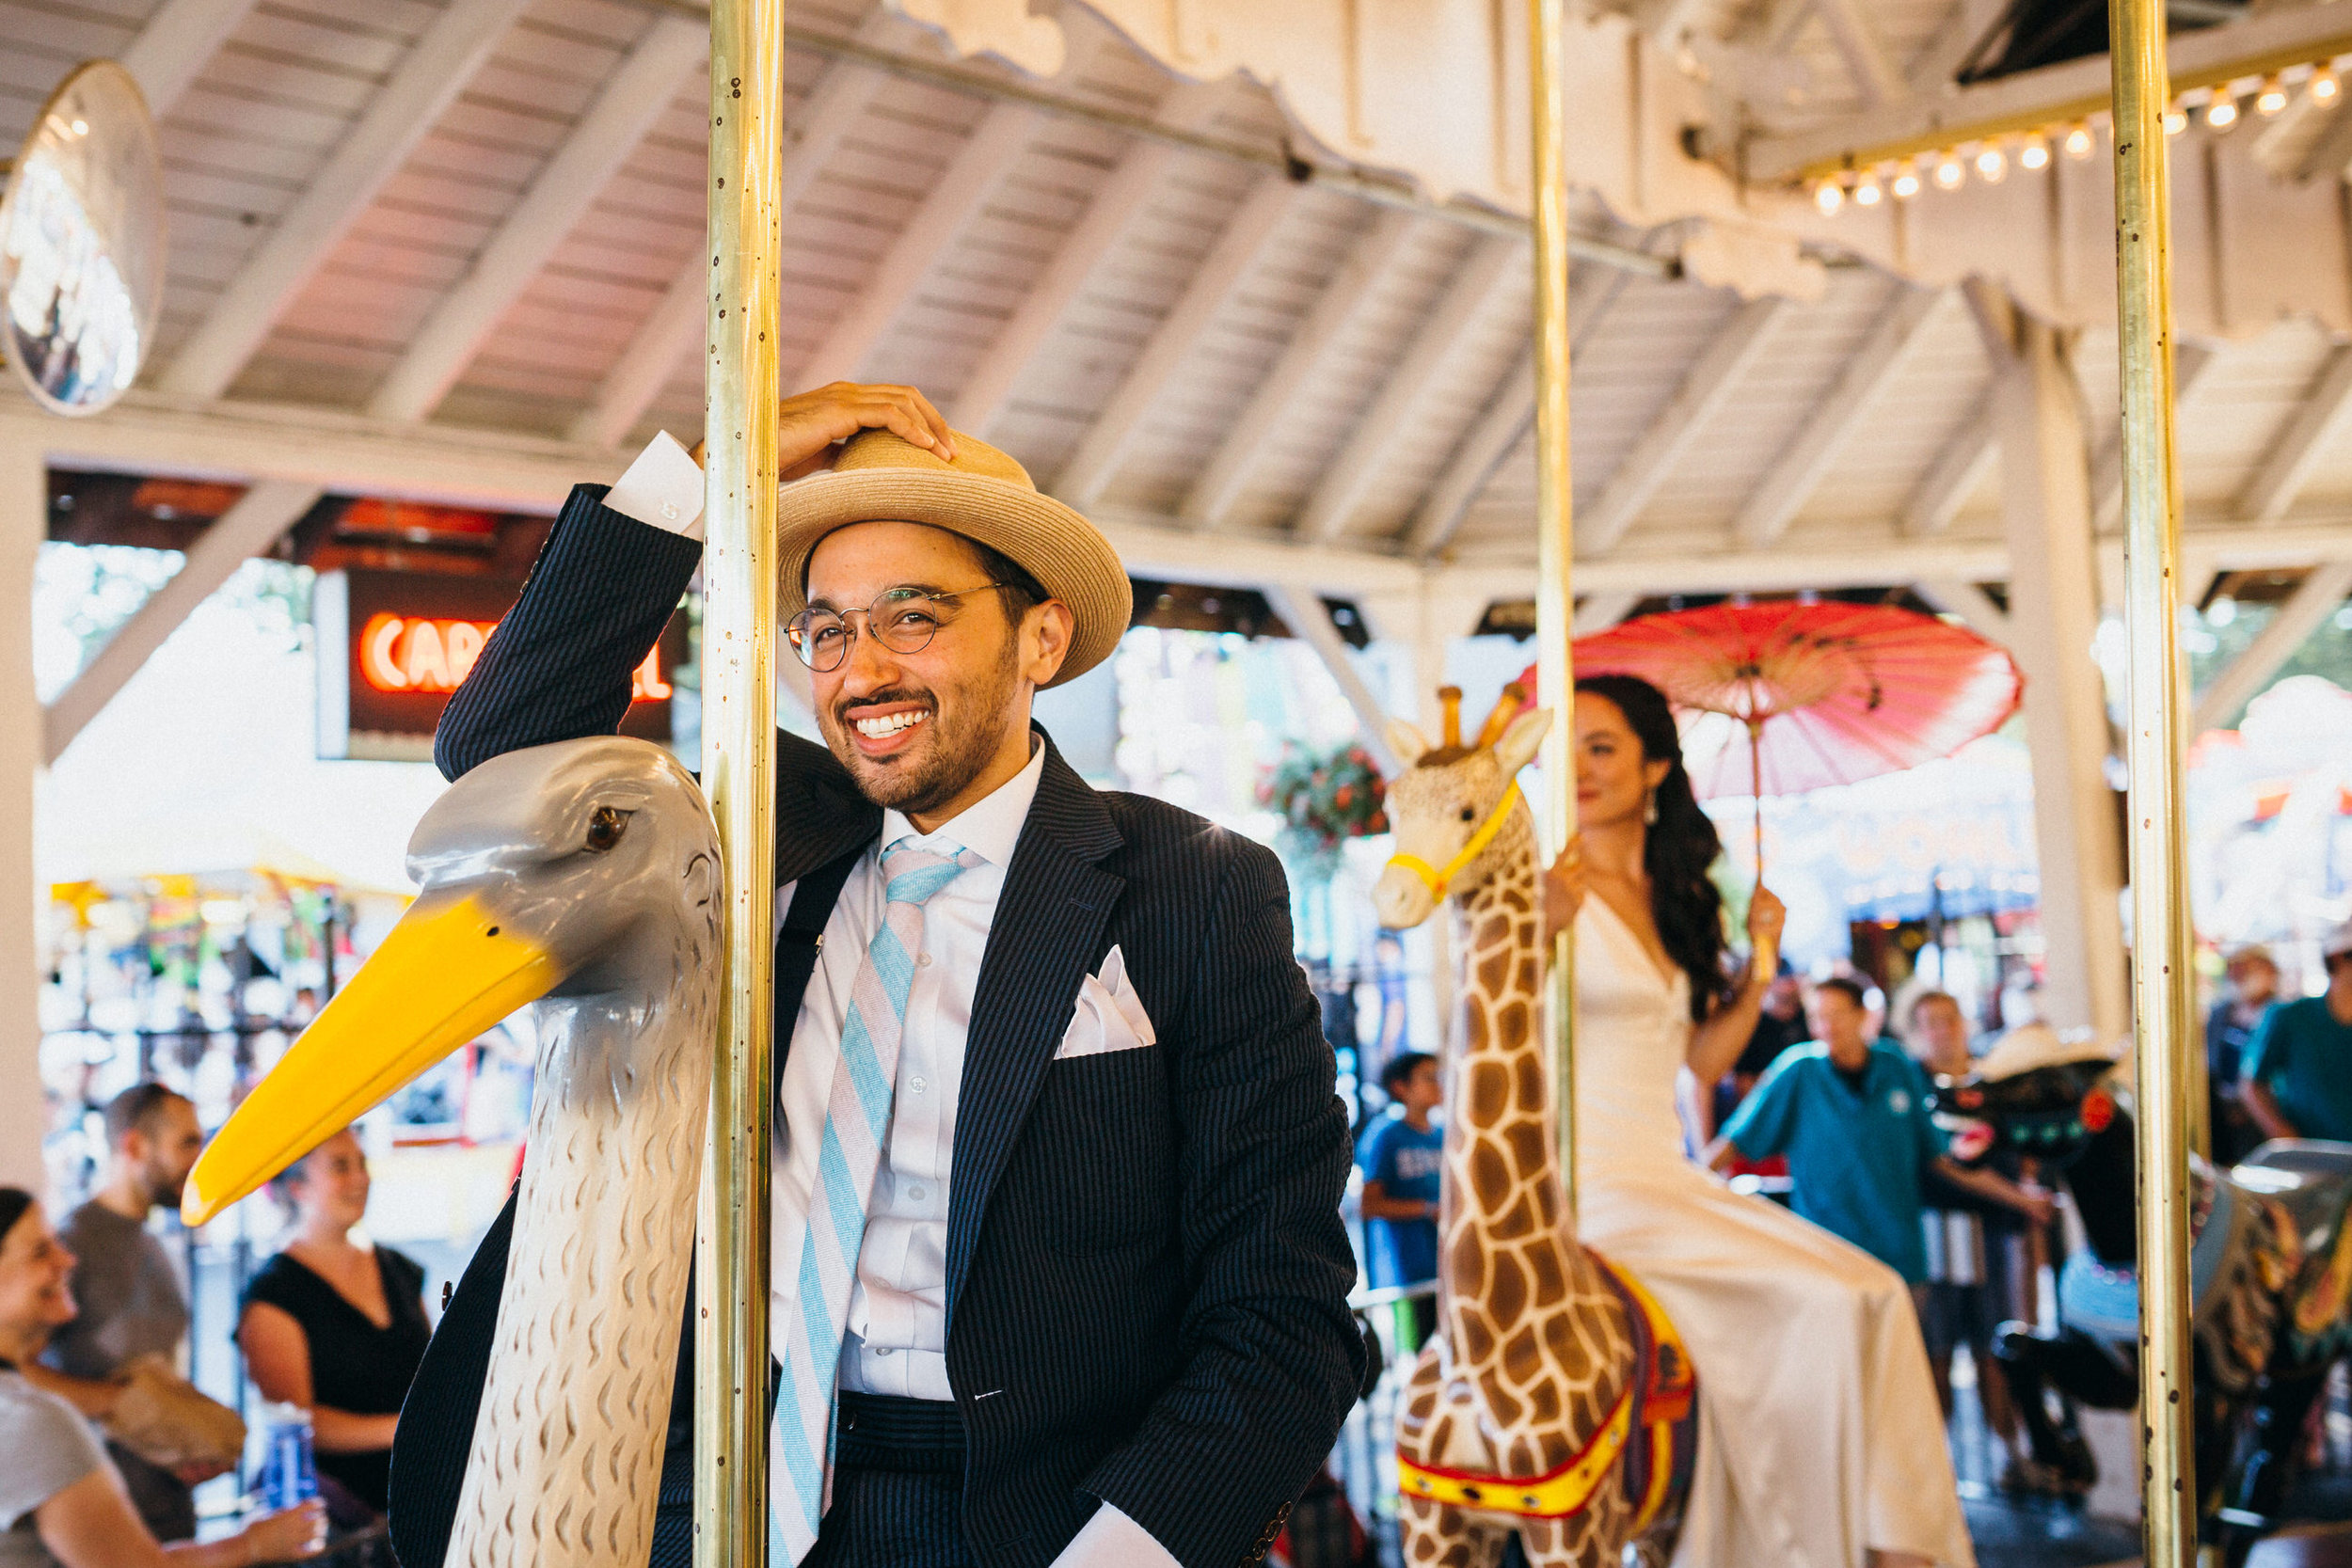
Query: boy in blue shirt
x=1403 y=1159
x=2297 y=1072
x=1852 y=1115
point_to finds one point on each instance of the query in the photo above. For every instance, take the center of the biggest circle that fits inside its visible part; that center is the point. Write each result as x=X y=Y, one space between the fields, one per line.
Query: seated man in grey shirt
x=130 y=1297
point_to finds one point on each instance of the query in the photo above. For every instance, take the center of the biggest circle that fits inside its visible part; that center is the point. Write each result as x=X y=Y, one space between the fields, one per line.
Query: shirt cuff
x=663 y=488
x=1111 y=1540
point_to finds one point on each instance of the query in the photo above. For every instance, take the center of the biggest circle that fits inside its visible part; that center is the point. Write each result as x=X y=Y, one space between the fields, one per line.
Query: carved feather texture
x=566 y=1458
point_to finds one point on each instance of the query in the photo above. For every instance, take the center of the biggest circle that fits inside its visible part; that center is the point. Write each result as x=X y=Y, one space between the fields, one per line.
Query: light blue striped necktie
x=857 y=1119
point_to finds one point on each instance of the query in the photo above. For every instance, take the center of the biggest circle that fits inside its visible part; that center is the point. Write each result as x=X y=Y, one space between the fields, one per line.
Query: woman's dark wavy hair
x=1682 y=845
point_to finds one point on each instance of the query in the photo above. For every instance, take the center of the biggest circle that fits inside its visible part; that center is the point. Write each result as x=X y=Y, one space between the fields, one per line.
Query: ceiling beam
x=1141 y=174
x=1972 y=604
x=1233 y=255
x=1959 y=470
x=1709 y=383
x=1368 y=265
x=2191 y=364
x=2238 y=682
x=1939 y=59
x=1858 y=44
x=1495 y=270
x=1305 y=613
x=237 y=535
x=2315 y=428
x=2031 y=99
x=177 y=43
x=397 y=117
x=1504 y=423
x=676 y=324
x=646 y=82
x=1806 y=460
x=1599 y=611
x=963 y=188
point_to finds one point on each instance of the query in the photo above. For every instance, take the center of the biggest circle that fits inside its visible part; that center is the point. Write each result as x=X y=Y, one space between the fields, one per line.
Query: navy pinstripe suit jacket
x=1146 y=1269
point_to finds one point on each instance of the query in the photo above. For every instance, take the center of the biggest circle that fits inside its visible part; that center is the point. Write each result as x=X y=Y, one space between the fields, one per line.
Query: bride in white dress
x=1821 y=1441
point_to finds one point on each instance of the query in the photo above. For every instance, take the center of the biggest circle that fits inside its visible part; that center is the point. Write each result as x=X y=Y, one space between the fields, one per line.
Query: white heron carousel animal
x=585 y=873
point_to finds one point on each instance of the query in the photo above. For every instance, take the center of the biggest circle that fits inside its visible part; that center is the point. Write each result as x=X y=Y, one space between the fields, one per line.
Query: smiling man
x=1083 y=1302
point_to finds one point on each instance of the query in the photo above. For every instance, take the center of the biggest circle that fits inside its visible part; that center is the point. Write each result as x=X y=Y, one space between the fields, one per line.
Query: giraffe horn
x=1506 y=708
x=1450 y=700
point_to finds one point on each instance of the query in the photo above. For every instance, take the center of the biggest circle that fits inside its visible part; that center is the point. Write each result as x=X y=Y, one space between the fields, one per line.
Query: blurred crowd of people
x=94 y=1319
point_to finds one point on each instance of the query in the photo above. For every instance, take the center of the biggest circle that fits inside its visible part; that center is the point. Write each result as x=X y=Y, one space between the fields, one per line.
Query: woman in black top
x=334 y=1327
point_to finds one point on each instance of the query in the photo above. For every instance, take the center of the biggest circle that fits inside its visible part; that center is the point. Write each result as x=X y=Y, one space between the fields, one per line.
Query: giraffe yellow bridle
x=1437 y=879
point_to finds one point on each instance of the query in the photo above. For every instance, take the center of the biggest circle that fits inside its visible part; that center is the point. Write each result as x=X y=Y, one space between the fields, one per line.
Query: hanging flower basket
x=1325 y=799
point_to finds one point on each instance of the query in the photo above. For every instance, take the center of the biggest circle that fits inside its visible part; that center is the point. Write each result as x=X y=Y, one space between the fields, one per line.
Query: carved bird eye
x=1469 y=814
x=604 y=827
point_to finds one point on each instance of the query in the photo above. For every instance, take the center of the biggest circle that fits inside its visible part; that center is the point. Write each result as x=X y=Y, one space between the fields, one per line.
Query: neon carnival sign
x=419 y=654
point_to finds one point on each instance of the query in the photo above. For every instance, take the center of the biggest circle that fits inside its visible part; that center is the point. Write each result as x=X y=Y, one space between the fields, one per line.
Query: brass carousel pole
x=731 y=1364
x=1555 y=527
x=2161 y=1023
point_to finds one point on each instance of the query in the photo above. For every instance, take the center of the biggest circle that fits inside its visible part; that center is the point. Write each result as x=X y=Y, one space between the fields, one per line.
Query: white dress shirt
x=898 y=1305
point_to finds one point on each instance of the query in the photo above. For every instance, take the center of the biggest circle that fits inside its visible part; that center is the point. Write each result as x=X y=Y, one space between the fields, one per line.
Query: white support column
x=644 y=84
x=1368 y=266
x=1802 y=468
x=2311 y=433
x=1189 y=106
x=2054 y=609
x=965 y=185
x=1229 y=260
x=177 y=43
x=1953 y=477
x=1302 y=609
x=398 y=116
x=236 y=537
x=1491 y=273
x=23 y=524
x=2315 y=600
x=1703 y=390
x=676 y=325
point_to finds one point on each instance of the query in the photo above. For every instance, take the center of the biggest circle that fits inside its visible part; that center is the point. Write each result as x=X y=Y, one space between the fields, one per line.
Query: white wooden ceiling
x=1172 y=337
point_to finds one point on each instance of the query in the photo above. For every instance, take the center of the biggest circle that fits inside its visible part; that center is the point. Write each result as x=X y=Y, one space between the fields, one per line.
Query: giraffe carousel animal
x=587 y=873
x=1554 y=1399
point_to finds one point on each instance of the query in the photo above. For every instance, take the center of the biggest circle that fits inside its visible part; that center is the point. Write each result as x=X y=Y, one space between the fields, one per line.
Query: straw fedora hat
x=983 y=495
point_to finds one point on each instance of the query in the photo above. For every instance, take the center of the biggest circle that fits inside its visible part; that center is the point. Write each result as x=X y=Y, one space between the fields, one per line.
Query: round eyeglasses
x=904 y=620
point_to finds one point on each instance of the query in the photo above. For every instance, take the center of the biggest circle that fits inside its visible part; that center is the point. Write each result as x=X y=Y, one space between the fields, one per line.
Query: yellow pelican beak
x=444 y=974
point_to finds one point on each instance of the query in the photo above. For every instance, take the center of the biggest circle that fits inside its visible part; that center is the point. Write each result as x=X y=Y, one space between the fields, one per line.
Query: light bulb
x=2078 y=143
x=1948 y=174
x=81 y=127
x=2221 y=113
x=2271 y=98
x=2324 y=85
x=1867 y=192
x=1905 y=185
x=1991 y=165
x=2035 y=154
x=2175 y=121
x=1829 y=196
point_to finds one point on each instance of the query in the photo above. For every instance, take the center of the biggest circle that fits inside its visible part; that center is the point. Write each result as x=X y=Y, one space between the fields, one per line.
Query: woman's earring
x=1649 y=809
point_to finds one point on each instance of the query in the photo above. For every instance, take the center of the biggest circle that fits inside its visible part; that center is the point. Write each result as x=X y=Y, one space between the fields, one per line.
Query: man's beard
x=958 y=751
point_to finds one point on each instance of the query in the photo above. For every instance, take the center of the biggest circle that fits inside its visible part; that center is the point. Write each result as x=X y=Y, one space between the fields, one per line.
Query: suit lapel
x=1049 y=924
x=820 y=814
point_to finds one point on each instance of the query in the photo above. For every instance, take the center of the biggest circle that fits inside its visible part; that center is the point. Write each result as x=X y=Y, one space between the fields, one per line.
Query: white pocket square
x=1109 y=1014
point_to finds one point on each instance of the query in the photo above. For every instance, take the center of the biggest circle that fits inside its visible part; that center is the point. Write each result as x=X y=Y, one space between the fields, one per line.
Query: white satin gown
x=1820 y=1435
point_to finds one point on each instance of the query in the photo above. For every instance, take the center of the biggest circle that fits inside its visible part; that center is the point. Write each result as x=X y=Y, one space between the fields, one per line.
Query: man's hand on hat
x=809 y=424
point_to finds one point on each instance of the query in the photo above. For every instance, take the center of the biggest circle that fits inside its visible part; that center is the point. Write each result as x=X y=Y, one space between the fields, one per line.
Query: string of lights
x=1990 y=158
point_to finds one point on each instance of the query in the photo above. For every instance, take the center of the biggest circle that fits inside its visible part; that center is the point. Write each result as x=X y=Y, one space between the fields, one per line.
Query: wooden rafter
x=2315 y=600
x=1960 y=469
x=178 y=41
x=397 y=117
x=2313 y=429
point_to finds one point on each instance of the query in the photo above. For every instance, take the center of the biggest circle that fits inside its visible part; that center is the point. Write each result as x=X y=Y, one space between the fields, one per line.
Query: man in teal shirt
x=2298 y=1073
x=1852 y=1115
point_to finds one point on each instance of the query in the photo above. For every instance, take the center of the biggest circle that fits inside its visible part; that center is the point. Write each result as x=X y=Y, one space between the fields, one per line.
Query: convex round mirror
x=82 y=243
